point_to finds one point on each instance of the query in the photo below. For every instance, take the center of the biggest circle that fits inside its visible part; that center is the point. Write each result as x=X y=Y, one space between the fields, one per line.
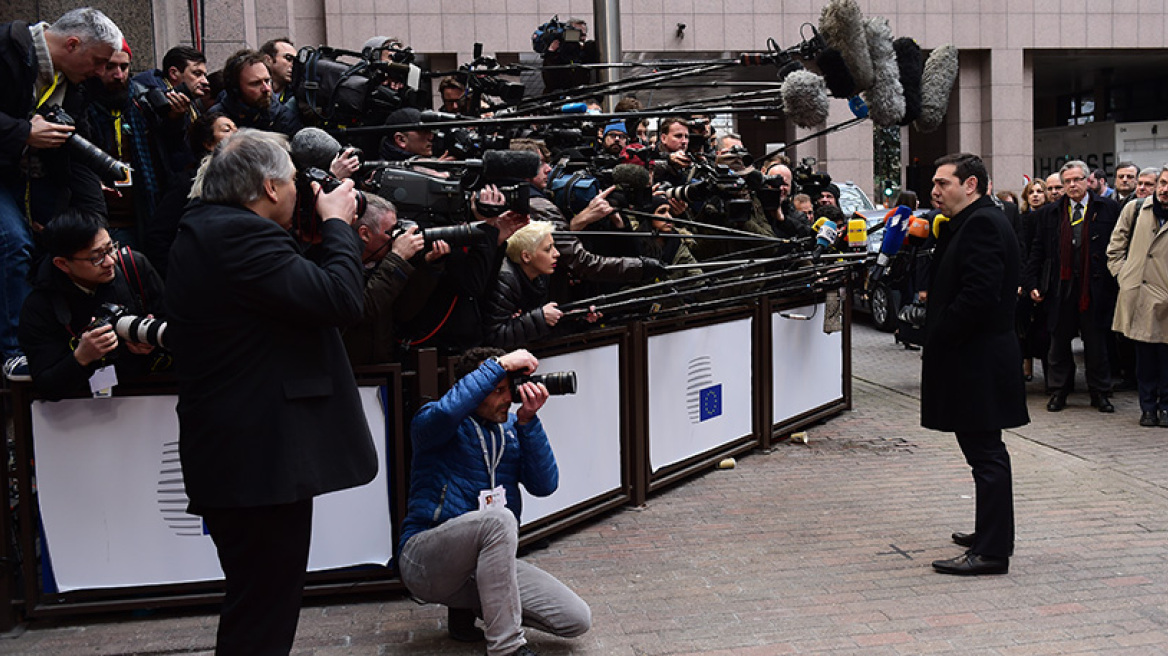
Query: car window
x=853 y=199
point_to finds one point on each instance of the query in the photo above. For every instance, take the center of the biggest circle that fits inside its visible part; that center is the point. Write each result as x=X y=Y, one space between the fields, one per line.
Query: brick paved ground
x=820 y=548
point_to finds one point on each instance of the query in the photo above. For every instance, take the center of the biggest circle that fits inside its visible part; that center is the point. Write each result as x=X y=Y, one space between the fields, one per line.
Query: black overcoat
x=971 y=376
x=268 y=408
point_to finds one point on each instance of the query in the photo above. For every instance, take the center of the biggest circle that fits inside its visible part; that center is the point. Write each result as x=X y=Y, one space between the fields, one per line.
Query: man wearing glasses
x=68 y=352
x=615 y=138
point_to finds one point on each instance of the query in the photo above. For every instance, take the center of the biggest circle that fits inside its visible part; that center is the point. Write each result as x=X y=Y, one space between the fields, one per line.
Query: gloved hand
x=652 y=269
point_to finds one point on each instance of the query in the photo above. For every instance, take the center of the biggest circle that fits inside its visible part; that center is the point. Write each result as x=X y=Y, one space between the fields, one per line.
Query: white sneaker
x=16 y=369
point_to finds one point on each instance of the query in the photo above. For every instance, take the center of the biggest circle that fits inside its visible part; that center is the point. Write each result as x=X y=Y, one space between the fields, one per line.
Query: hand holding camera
x=408 y=243
x=95 y=342
x=46 y=134
x=339 y=203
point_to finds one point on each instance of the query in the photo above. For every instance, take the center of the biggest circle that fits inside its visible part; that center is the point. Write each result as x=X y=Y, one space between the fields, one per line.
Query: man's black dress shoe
x=1149 y=419
x=1102 y=403
x=971 y=564
x=963 y=539
x=1056 y=403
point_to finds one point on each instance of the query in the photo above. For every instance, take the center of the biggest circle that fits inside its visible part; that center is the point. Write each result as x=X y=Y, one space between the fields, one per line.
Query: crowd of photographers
x=485 y=235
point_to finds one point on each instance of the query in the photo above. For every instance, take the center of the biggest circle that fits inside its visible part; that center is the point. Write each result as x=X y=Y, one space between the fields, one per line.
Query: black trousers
x=264 y=554
x=993 y=484
x=1152 y=376
x=1086 y=325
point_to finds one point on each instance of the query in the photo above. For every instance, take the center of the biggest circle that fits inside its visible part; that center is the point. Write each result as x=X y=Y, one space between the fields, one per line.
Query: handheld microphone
x=804 y=96
x=911 y=63
x=936 y=84
x=826 y=237
x=313 y=148
x=938 y=222
x=918 y=231
x=895 y=230
x=858 y=106
x=842 y=26
x=574 y=108
x=857 y=234
x=886 y=95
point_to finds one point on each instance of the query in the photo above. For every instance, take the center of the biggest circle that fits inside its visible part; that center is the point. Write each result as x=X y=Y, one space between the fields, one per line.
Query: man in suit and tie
x=971 y=383
x=269 y=415
x=1066 y=272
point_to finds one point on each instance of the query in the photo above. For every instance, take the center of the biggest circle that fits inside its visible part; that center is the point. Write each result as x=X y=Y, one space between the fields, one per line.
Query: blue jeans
x=15 y=253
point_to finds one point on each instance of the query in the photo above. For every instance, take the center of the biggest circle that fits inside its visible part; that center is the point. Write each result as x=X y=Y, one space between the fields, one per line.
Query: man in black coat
x=971 y=383
x=269 y=414
x=1067 y=272
x=41 y=66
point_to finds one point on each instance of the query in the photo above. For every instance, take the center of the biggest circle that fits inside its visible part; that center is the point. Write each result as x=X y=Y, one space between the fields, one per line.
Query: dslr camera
x=107 y=168
x=130 y=327
x=557 y=383
x=154 y=104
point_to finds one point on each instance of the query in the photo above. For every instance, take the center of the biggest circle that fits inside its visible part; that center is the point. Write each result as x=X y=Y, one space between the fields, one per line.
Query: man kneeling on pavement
x=461 y=532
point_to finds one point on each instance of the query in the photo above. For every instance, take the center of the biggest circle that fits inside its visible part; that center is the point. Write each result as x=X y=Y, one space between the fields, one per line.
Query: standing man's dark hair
x=971 y=374
x=179 y=57
x=268 y=409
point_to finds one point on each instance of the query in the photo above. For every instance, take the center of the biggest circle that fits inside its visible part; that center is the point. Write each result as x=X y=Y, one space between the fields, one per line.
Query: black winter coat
x=515 y=309
x=57 y=312
x=1041 y=270
x=971 y=374
x=268 y=408
x=64 y=183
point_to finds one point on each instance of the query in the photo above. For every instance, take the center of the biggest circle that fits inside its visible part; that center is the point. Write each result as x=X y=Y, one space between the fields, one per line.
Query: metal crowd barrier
x=659 y=401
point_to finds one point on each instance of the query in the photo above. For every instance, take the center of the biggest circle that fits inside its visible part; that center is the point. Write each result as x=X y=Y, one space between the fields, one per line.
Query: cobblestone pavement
x=821 y=548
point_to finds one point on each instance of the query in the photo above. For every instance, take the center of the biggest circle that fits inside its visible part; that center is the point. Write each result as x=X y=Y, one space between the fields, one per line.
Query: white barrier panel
x=113 y=507
x=699 y=390
x=807 y=363
x=584 y=431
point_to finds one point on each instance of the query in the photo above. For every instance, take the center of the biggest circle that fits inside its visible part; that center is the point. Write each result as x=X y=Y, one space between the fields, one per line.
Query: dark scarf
x=1159 y=211
x=1067 y=252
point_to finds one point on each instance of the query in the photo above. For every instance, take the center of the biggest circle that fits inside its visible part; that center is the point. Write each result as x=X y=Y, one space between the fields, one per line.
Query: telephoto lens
x=557 y=383
x=141 y=330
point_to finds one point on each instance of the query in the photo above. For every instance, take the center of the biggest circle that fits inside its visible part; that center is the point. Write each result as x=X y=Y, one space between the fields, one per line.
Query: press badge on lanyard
x=496 y=497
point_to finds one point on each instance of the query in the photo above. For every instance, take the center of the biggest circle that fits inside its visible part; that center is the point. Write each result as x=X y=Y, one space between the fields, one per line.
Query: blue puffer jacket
x=448 y=468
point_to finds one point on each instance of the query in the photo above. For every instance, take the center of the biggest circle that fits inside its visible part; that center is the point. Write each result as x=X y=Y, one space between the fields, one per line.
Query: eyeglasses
x=617 y=135
x=97 y=260
x=289 y=57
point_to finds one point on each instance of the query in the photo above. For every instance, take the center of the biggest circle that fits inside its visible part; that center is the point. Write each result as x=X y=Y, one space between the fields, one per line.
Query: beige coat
x=1141 y=312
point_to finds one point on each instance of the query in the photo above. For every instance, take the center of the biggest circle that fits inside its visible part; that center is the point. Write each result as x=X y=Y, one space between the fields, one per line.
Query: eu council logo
x=172 y=496
x=703 y=395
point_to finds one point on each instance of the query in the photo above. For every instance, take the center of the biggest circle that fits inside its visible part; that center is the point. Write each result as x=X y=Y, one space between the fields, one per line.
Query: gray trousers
x=469 y=562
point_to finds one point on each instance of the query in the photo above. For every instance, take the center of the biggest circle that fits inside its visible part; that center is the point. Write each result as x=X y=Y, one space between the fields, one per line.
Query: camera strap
x=124 y=253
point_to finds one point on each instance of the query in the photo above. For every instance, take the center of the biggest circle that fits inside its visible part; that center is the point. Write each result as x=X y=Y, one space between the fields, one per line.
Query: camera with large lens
x=809 y=181
x=130 y=327
x=557 y=383
x=155 y=103
x=694 y=192
x=107 y=168
x=457 y=236
x=343 y=94
x=328 y=184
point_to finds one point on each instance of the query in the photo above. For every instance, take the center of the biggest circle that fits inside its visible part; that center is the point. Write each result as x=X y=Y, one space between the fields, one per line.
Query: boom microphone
x=314 y=148
x=842 y=26
x=499 y=165
x=886 y=95
x=835 y=71
x=936 y=84
x=804 y=97
x=911 y=63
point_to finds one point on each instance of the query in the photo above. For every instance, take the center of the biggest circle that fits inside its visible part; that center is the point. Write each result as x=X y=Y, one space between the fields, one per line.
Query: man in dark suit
x=269 y=415
x=971 y=383
x=1067 y=272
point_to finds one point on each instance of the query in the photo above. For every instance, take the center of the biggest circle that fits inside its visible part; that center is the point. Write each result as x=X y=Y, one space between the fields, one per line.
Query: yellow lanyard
x=117 y=114
x=49 y=92
x=1082 y=213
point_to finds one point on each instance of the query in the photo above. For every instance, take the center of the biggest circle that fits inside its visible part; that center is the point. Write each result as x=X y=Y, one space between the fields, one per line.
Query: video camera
x=807 y=180
x=107 y=168
x=720 y=190
x=463 y=144
x=430 y=199
x=349 y=95
x=555 y=30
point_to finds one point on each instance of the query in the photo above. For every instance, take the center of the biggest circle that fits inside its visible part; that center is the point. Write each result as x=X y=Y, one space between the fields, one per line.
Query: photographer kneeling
x=461 y=532
x=65 y=327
